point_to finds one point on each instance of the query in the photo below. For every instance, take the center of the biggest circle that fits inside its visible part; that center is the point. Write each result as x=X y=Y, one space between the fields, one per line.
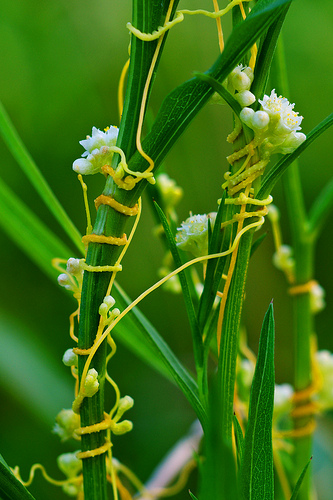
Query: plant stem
x=303 y=240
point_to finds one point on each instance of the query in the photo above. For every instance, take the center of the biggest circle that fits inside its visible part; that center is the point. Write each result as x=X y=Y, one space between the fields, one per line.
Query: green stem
x=303 y=245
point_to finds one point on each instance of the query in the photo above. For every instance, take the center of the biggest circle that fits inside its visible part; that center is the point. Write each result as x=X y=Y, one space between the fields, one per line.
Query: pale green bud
x=69 y=464
x=273 y=213
x=69 y=358
x=66 y=424
x=260 y=120
x=109 y=301
x=121 y=427
x=283 y=258
x=73 y=266
x=317 y=298
x=91 y=383
x=125 y=404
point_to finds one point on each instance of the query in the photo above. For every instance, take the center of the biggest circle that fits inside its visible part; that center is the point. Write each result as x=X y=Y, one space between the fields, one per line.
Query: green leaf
x=24 y=160
x=257 y=464
x=321 y=209
x=281 y=166
x=239 y=440
x=10 y=487
x=29 y=232
x=220 y=89
x=196 y=334
x=265 y=57
x=28 y=372
x=219 y=242
x=192 y=496
x=146 y=335
x=300 y=481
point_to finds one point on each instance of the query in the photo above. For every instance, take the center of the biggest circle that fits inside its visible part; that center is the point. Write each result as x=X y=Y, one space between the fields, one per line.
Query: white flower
x=281 y=113
x=192 y=236
x=283 y=259
x=97 y=151
x=69 y=358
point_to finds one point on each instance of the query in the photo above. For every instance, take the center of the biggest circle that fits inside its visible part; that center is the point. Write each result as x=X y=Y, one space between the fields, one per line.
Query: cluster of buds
x=192 y=235
x=105 y=311
x=67 y=422
x=239 y=83
x=71 y=279
x=275 y=126
x=97 y=151
x=324 y=397
x=118 y=428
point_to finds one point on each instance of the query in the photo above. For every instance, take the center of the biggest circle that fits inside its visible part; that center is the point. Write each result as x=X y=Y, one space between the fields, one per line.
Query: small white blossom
x=276 y=125
x=192 y=235
x=283 y=259
x=283 y=398
x=97 y=151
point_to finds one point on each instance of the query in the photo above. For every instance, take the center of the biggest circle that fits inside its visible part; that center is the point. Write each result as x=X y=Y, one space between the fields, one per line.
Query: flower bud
x=246 y=116
x=69 y=358
x=260 y=120
x=69 y=464
x=66 y=424
x=91 y=383
x=121 y=427
x=245 y=98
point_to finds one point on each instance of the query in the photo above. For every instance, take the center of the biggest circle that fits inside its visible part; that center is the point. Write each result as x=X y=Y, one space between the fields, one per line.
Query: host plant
x=243 y=436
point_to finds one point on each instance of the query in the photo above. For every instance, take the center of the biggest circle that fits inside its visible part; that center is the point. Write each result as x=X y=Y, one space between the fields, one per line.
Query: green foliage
x=10 y=487
x=257 y=459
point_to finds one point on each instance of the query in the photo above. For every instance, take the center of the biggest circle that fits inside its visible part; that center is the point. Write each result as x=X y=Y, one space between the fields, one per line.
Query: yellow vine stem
x=86 y=204
x=145 y=93
x=98 y=342
x=219 y=26
x=72 y=480
x=121 y=88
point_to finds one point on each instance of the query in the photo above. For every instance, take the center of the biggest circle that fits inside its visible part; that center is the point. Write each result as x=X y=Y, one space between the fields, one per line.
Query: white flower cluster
x=192 y=234
x=239 y=83
x=276 y=125
x=97 y=151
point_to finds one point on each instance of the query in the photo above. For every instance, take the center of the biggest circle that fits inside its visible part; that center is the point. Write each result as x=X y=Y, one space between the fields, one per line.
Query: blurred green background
x=60 y=63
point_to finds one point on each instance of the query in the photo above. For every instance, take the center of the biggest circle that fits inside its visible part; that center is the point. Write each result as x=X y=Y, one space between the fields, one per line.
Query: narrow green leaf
x=256 y=244
x=300 y=481
x=321 y=209
x=29 y=232
x=257 y=464
x=265 y=57
x=10 y=487
x=220 y=89
x=196 y=334
x=281 y=166
x=23 y=158
x=239 y=440
x=192 y=496
x=219 y=242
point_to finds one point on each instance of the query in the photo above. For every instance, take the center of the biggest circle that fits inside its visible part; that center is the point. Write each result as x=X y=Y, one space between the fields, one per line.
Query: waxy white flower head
x=276 y=125
x=192 y=234
x=97 y=151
